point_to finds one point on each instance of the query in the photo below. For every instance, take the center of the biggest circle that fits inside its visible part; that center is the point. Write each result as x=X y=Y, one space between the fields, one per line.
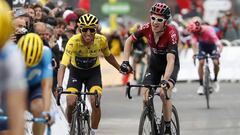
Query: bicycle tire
x=175 y=126
x=73 y=125
x=84 y=122
x=207 y=86
x=146 y=115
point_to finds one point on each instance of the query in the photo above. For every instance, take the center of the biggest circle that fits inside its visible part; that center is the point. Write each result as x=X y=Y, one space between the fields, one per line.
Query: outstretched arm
x=127 y=48
x=111 y=60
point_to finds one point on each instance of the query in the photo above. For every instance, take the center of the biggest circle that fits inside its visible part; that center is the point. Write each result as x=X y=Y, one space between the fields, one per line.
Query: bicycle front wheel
x=84 y=122
x=146 y=125
x=73 y=126
x=207 y=86
x=175 y=126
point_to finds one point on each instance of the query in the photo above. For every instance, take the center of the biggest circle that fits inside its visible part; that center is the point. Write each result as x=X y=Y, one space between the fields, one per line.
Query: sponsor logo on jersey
x=34 y=73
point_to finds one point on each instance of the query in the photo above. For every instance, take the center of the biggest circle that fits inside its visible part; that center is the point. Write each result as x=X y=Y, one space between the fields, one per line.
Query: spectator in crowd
x=79 y=12
x=20 y=29
x=230 y=27
x=38 y=12
x=62 y=39
x=30 y=12
x=71 y=21
x=115 y=43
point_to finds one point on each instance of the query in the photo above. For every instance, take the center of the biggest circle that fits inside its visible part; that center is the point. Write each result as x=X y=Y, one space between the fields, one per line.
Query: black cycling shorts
x=91 y=78
x=156 y=70
x=153 y=77
x=205 y=48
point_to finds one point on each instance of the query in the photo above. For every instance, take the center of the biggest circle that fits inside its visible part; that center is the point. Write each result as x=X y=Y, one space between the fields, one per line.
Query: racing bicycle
x=207 y=81
x=80 y=124
x=150 y=122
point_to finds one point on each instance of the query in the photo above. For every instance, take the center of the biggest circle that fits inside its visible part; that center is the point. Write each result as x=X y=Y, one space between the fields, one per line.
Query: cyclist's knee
x=201 y=63
x=96 y=88
x=93 y=98
x=145 y=93
x=71 y=100
x=216 y=62
x=36 y=107
x=162 y=95
x=169 y=91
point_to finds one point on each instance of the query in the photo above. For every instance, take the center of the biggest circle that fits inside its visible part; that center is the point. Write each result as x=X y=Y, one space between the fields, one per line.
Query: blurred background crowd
x=56 y=20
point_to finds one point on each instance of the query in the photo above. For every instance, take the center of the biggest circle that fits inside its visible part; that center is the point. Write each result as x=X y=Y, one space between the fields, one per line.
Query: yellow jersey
x=82 y=56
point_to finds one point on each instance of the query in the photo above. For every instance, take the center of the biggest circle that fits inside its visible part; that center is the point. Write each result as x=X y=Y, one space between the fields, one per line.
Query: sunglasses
x=92 y=30
x=158 y=19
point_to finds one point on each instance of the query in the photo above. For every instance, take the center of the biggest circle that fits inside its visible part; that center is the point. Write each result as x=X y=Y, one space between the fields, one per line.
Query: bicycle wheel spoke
x=147 y=129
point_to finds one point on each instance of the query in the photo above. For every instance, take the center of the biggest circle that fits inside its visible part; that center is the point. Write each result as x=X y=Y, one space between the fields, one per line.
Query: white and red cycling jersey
x=166 y=41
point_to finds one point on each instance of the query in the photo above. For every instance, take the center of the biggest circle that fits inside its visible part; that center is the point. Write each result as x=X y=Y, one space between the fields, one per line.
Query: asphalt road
x=120 y=115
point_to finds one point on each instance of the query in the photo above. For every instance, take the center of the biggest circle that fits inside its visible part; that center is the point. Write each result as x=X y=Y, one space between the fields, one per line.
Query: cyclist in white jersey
x=12 y=78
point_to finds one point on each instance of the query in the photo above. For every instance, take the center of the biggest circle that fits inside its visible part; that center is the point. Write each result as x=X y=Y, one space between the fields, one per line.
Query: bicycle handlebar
x=78 y=94
x=36 y=119
x=128 y=89
x=206 y=56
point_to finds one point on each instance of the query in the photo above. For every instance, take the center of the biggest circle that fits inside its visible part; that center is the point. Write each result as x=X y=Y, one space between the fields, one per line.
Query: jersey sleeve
x=173 y=42
x=46 y=63
x=104 y=47
x=68 y=52
x=16 y=79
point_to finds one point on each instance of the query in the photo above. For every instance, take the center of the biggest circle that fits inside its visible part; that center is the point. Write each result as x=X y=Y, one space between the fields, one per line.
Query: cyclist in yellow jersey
x=81 y=56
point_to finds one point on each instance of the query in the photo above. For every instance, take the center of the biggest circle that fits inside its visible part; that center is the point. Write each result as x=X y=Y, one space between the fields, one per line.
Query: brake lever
x=58 y=98
x=128 y=91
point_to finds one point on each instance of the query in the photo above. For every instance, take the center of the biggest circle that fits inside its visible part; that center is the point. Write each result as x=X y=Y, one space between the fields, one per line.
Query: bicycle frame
x=157 y=123
x=35 y=120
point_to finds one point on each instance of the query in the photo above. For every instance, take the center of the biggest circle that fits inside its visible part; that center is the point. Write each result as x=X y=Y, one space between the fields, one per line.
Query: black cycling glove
x=59 y=89
x=125 y=67
x=165 y=85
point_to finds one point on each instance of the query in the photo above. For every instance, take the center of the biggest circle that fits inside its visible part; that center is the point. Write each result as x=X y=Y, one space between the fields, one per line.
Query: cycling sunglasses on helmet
x=153 y=18
x=92 y=30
